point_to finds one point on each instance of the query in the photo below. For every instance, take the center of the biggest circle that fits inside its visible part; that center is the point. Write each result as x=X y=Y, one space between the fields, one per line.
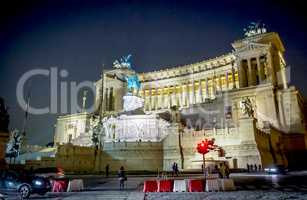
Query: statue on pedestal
x=97 y=130
x=133 y=83
x=14 y=144
x=247 y=107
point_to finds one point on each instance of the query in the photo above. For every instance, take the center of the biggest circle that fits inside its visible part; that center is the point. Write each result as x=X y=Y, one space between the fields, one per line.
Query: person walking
x=227 y=171
x=121 y=177
x=176 y=169
x=222 y=170
x=107 y=170
x=173 y=169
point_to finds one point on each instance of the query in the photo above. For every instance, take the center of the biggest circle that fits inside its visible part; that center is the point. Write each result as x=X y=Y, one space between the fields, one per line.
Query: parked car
x=276 y=169
x=23 y=184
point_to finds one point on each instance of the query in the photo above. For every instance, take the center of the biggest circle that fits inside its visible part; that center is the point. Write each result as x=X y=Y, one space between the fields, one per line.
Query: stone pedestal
x=247 y=130
x=4 y=137
x=132 y=102
x=171 y=149
x=249 y=152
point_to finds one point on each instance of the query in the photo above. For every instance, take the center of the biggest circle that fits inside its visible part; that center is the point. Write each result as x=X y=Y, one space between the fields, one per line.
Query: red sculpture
x=205 y=146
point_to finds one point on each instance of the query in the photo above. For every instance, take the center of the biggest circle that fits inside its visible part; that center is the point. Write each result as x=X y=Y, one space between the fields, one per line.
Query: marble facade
x=254 y=69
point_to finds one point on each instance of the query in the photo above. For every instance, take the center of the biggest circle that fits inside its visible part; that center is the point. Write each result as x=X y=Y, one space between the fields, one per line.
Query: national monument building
x=241 y=99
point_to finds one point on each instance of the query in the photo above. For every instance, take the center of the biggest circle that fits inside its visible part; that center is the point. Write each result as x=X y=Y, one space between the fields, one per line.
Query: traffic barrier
x=180 y=186
x=227 y=184
x=59 y=185
x=150 y=186
x=196 y=185
x=212 y=185
x=213 y=176
x=165 y=185
x=75 y=185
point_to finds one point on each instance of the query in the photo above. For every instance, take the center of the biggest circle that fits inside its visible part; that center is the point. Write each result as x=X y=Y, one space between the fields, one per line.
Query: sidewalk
x=237 y=195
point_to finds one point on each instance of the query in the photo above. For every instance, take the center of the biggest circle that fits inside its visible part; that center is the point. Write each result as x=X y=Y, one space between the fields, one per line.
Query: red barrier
x=196 y=185
x=165 y=186
x=150 y=186
x=59 y=185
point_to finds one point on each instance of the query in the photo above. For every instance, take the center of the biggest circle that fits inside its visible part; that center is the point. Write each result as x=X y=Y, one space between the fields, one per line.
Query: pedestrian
x=173 y=169
x=222 y=170
x=252 y=167
x=255 y=167
x=259 y=168
x=216 y=169
x=247 y=165
x=121 y=177
x=227 y=171
x=176 y=169
x=107 y=170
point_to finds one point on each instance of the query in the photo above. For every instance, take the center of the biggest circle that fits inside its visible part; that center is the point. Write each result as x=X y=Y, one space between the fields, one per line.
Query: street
x=251 y=186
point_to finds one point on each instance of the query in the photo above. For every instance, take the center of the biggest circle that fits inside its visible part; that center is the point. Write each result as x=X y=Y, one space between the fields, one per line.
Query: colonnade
x=188 y=93
x=253 y=71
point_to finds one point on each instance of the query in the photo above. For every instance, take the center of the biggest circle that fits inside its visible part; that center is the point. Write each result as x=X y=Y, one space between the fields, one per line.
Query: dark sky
x=81 y=35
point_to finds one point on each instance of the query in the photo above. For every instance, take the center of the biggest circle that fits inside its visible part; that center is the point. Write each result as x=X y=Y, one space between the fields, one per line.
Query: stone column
x=173 y=96
x=177 y=93
x=145 y=99
x=183 y=91
x=250 y=73
x=207 y=89
x=233 y=78
x=213 y=86
x=150 y=99
x=106 y=99
x=156 y=99
x=260 y=76
x=111 y=100
x=162 y=98
x=199 y=91
x=193 y=93
x=180 y=96
x=165 y=98
x=226 y=79
x=242 y=78
x=270 y=71
x=188 y=94
x=283 y=77
x=220 y=83
x=169 y=97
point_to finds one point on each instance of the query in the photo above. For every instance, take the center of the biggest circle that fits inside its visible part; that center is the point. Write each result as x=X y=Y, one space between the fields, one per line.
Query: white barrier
x=180 y=186
x=75 y=185
x=227 y=184
x=212 y=185
x=212 y=176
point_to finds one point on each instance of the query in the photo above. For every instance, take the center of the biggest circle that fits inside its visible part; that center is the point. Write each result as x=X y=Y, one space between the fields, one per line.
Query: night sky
x=80 y=36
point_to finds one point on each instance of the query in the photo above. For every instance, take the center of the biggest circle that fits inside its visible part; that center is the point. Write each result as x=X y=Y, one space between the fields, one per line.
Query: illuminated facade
x=211 y=97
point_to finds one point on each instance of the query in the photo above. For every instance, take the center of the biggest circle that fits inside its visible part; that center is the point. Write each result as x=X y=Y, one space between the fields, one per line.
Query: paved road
x=97 y=187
